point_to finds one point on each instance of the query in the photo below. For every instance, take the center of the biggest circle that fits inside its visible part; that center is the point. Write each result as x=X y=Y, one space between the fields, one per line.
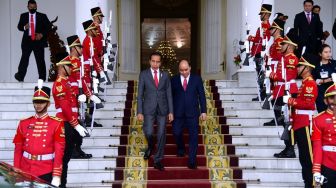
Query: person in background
x=308 y=26
x=322 y=75
x=35 y=27
x=325 y=34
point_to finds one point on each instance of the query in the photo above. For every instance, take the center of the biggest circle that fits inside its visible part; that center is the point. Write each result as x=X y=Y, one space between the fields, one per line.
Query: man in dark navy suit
x=189 y=105
x=35 y=27
x=308 y=25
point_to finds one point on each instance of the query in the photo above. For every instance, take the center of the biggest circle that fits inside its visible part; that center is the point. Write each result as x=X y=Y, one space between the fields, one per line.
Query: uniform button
x=43 y=145
x=45 y=135
x=44 y=140
x=330 y=139
x=27 y=139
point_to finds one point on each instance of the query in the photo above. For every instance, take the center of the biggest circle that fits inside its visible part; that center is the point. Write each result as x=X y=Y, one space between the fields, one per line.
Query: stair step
x=273 y=175
x=31 y=85
x=30 y=91
x=259 y=151
x=241 y=105
x=247 y=121
x=100 y=152
x=238 y=90
x=28 y=98
x=253 y=140
x=275 y=185
x=256 y=130
x=227 y=83
x=250 y=113
x=238 y=97
x=269 y=163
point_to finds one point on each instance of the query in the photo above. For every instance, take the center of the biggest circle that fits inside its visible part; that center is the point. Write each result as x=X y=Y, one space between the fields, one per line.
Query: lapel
x=150 y=76
x=160 y=79
x=188 y=84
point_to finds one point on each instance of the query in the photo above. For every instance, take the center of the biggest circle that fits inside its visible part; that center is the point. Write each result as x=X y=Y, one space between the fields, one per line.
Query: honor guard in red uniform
x=275 y=50
x=257 y=46
x=285 y=69
x=303 y=108
x=265 y=13
x=91 y=52
x=97 y=17
x=39 y=141
x=66 y=107
x=324 y=142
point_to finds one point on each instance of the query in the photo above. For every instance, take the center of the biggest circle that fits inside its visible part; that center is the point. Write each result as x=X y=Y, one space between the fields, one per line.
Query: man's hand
x=250 y=38
x=26 y=26
x=81 y=130
x=140 y=117
x=318 y=178
x=56 y=181
x=203 y=116
x=38 y=36
x=285 y=99
x=82 y=98
x=170 y=117
x=95 y=99
x=268 y=73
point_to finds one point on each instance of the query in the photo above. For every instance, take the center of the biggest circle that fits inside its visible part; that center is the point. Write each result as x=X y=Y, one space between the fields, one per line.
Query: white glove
x=318 y=178
x=285 y=98
x=268 y=73
x=94 y=73
x=81 y=130
x=56 y=181
x=333 y=76
x=102 y=75
x=95 y=99
x=318 y=81
x=82 y=98
x=270 y=98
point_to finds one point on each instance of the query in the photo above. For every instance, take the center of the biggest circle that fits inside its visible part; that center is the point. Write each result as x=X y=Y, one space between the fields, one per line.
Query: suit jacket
x=43 y=26
x=151 y=98
x=308 y=33
x=188 y=103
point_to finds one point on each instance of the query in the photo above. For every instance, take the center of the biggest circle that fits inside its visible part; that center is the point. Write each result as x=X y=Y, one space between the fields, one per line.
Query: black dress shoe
x=148 y=153
x=180 y=154
x=83 y=154
x=159 y=166
x=17 y=77
x=192 y=165
x=255 y=99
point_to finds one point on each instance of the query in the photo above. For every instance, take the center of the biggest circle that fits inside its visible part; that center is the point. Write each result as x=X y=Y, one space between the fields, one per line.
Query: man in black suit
x=308 y=26
x=35 y=27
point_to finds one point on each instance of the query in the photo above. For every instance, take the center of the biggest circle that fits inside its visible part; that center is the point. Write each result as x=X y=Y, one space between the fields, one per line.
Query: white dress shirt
x=182 y=79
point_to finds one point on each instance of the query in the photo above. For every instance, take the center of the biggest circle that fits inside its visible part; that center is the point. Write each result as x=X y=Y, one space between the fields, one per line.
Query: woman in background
x=322 y=75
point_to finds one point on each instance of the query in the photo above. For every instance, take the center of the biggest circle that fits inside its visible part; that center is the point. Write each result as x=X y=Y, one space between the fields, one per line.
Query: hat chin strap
x=66 y=72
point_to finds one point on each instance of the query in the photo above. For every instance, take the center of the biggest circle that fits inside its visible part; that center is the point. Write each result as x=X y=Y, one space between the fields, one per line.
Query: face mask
x=32 y=11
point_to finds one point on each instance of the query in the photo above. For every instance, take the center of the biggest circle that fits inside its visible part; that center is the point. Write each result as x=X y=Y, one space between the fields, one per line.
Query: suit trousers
x=148 y=130
x=302 y=138
x=69 y=146
x=191 y=123
x=38 y=49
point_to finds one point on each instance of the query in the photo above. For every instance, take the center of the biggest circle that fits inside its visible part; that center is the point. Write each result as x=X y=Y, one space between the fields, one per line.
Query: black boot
x=270 y=123
x=288 y=152
x=83 y=155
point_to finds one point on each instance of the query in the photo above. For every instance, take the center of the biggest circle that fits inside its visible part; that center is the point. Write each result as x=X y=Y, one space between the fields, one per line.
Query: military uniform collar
x=291 y=53
x=41 y=117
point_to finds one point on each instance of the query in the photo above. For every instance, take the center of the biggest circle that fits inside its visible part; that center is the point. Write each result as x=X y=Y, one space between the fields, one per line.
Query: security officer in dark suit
x=308 y=25
x=35 y=27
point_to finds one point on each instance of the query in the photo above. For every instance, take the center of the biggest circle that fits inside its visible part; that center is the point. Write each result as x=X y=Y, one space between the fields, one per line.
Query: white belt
x=329 y=148
x=305 y=112
x=74 y=83
x=86 y=63
x=274 y=62
x=282 y=83
x=44 y=157
x=72 y=109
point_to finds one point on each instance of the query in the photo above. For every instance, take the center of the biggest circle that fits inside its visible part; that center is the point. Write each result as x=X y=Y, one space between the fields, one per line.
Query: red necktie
x=185 y=83
x=156 y=79
x=32 y=27
x=308 y=18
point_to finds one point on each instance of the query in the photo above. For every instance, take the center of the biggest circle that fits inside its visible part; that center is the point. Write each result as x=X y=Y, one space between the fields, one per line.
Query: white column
x=83 y=13
x=129 y=39
x=213 y=27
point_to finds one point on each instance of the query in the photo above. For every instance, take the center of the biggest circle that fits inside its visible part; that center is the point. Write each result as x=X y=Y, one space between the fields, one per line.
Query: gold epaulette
x=315 y=116
x=55 y=118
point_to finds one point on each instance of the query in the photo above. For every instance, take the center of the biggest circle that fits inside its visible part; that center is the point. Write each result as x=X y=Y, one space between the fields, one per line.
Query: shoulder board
x=26 y=118
x=55 y=118
x=321 y=113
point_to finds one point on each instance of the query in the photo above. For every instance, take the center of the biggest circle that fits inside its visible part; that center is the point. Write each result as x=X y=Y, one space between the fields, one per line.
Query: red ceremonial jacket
x=257 y=40
x=304 y=102
x=40 y=136
x=324 y=134
x=290 y=63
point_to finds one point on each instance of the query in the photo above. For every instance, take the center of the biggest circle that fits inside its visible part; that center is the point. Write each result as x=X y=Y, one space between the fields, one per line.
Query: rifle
x=267 y=81
x=286 y=109
x=106 y=51
x=247 y=46
x=82 y=105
